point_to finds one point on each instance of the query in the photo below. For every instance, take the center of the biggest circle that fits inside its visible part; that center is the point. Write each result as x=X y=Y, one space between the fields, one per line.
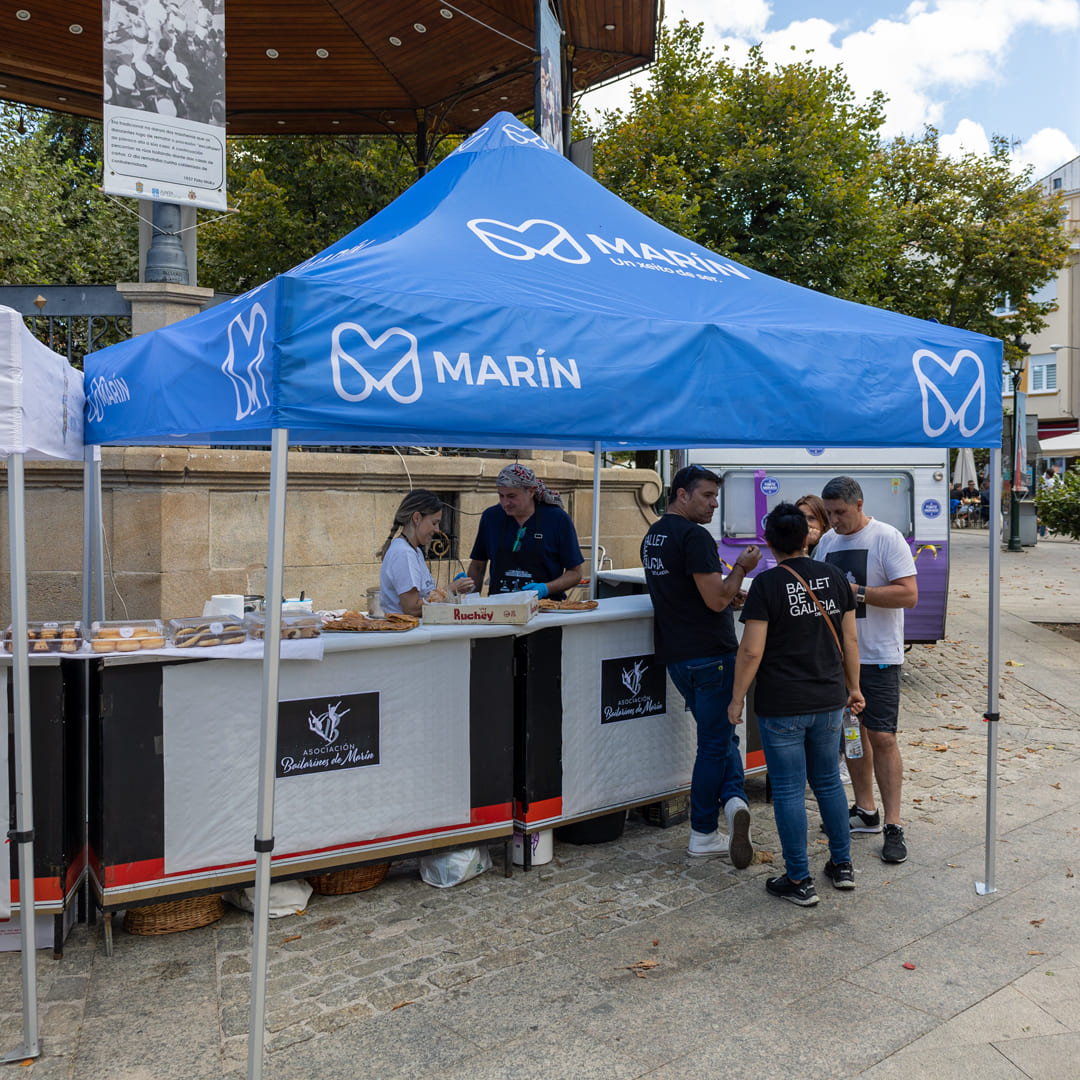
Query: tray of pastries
x=205 y=633
x=131 y=635
x=50 y=637
x=568 y=605
x=358 y=622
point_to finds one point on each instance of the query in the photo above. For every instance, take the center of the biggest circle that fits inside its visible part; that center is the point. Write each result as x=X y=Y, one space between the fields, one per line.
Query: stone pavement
x=629 y=959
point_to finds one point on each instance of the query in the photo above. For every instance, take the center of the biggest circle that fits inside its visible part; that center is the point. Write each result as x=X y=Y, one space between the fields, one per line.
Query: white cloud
x=1045 y=151
x=969 y=138
x=918 y=58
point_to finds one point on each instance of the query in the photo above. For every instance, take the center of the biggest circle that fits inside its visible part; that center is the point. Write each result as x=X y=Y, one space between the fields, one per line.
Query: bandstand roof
x=462 y=61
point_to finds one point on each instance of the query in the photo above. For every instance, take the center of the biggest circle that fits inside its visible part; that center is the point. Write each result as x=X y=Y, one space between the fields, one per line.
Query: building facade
x=1052 y=375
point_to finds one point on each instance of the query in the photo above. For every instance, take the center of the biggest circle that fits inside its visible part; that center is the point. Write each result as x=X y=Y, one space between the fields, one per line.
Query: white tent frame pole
x=264 y=833
x=595 y=569
x=23 y=832
x=98 y=549
x=92 y=525
x=993 y=665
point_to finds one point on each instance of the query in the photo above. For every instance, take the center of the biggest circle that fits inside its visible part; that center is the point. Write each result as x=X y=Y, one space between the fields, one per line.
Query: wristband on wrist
x=860 y=595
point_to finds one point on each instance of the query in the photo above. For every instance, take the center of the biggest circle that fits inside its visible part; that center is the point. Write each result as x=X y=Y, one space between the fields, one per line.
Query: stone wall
x=183 y=523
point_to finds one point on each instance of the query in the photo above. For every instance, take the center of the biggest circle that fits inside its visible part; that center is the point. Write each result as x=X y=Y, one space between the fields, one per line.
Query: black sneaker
x=842 y=875
x=802 y=893
x=861 y=821
x=894 y=849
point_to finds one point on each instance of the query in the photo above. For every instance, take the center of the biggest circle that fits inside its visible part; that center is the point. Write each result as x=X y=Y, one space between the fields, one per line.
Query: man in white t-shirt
x=877 y=561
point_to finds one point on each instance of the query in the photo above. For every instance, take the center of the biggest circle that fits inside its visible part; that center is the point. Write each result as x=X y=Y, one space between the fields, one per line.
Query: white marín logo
x=554 y=240
x=243 y=365
x=932 y=392
x=408 y=357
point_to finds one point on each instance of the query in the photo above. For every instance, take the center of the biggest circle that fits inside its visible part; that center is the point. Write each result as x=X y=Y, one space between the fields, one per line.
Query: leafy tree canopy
x=782 y=169
x=1059 y=506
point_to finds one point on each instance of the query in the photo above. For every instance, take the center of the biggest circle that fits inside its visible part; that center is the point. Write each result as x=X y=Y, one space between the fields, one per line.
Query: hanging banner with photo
x=548 y=105
x=164 y=116
x=1020 y=462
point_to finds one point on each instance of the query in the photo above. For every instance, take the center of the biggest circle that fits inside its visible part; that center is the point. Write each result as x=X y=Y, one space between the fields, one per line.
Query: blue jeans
x=798 y=749
x=706 y=683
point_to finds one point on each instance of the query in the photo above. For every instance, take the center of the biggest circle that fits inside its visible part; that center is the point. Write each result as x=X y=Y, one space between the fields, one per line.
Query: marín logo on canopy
x=936 y=403
x=406 y=358
x=243 y=365
x=538 y=236
x=554 y=240
x=397 y=354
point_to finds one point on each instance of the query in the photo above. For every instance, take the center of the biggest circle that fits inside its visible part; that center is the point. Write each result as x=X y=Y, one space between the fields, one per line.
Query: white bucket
x=540 y=844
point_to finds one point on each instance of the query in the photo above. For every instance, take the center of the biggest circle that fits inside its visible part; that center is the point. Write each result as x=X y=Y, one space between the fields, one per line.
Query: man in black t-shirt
x=694 y=635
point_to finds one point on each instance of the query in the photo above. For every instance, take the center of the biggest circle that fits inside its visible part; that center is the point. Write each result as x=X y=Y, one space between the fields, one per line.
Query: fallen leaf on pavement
x=1035 y=952
x=909 y=966
x=1068 y=872
x=1057 y=786
x=656 y=941
x=642 y=966
x=1013 y=663
x=956 y=727
x=400 y=1005
x=941 y=747
x=762 y=856
x=1038 y=922
x=293 y=937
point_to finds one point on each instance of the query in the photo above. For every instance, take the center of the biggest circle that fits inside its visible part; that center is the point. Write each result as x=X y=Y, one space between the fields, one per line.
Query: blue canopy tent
x=507 y=299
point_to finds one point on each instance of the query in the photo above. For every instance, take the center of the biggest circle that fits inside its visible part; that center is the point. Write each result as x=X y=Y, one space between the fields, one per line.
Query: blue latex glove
x=458 y=577
x=537 y=587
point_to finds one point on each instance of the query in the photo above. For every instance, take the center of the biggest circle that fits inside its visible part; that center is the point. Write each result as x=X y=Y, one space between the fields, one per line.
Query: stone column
x=156 y=304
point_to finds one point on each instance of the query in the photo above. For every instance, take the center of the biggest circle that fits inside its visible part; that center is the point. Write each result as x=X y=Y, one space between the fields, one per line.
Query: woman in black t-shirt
x=803 y=685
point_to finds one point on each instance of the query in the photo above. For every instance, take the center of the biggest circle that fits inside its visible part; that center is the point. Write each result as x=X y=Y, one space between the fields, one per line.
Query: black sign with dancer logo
x=326 y=734
x=632 y=686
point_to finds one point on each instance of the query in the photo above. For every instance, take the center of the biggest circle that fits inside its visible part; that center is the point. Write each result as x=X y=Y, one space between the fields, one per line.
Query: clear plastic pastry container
x=293 y=625
x=206 y=631
x=50 y=637
x=130 y=635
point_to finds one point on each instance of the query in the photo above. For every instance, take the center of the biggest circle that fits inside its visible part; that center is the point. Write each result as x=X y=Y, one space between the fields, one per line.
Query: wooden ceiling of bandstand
x=461 y=62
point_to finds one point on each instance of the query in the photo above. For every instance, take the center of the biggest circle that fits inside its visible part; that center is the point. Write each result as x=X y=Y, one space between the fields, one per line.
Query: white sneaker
x=845 y=776
x=707 y=843
x=740 y=847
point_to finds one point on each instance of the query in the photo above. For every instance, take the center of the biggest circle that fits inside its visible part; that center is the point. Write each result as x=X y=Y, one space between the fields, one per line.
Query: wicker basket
x=174 y=915
x=349 y=881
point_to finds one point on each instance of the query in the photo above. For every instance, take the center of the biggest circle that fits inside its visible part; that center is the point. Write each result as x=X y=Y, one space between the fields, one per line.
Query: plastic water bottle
x=852 y=738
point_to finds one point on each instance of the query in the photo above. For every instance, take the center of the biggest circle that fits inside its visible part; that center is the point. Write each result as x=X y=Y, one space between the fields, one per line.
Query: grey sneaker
x=842 y=875
x=894 y=849
x=802 y=893
x=861 y=821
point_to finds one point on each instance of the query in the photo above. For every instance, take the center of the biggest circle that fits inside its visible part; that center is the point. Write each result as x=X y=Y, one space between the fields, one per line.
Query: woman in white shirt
x=405 y=581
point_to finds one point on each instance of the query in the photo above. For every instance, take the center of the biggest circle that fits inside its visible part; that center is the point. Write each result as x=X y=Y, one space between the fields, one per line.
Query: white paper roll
x=226 y=604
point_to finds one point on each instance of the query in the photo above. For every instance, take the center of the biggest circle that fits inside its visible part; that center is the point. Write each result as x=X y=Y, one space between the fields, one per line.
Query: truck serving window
x=887 y=496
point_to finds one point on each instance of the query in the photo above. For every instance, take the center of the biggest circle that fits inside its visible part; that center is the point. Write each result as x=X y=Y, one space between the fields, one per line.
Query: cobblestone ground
x=355 y=957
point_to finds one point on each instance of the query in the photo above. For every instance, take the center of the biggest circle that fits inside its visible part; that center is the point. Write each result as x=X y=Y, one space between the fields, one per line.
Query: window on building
x=1057 y=183
x=1042 y=373
x=1003 y=305
x=1047 y=294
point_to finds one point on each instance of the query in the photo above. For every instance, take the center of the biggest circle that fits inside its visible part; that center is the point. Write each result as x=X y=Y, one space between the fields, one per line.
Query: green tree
x=772 y=165
x=1059 y=506
x=296 y=196
x=970 y=231
x=56 y=225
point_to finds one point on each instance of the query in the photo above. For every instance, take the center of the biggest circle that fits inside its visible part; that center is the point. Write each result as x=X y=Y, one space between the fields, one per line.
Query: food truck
x=908 y=488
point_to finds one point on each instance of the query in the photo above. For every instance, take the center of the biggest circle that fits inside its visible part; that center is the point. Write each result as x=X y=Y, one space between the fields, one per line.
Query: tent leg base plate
x=23 y=1054
x=983 y=889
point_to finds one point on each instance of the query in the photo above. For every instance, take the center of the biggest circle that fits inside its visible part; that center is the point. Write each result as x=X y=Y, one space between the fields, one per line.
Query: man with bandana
x=528 y=539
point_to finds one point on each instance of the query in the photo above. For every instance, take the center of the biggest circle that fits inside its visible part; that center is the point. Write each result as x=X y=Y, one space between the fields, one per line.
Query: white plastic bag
x=447 y=868
x=286 y=898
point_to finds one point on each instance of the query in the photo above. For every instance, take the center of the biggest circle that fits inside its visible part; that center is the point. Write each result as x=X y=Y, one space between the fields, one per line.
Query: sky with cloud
x=972 y=68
